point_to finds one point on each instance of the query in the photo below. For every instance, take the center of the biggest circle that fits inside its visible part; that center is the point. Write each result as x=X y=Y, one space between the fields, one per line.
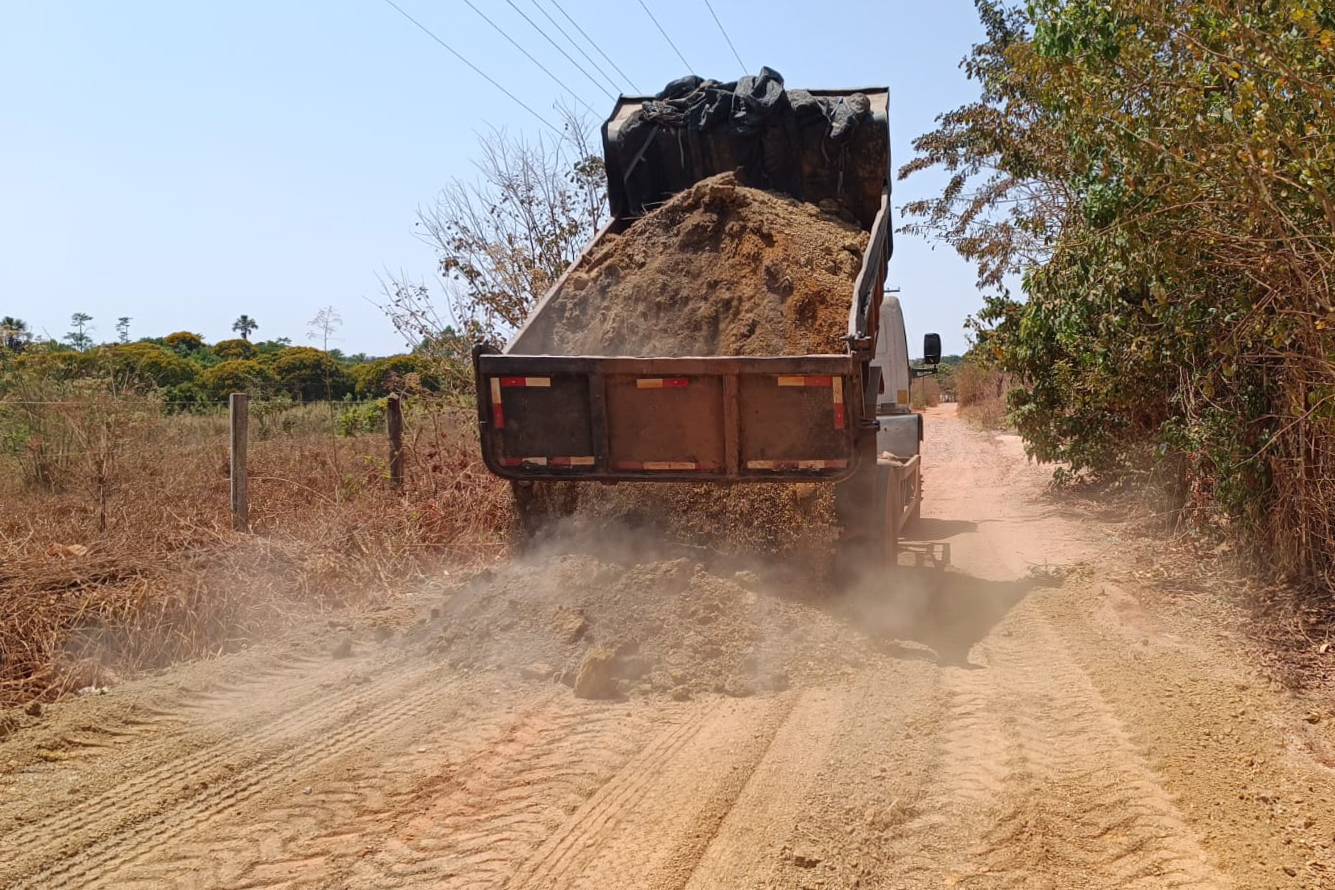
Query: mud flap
x=863 y=550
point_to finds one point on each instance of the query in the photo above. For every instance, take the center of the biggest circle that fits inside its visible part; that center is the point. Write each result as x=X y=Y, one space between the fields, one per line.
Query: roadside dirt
x=1030 y=718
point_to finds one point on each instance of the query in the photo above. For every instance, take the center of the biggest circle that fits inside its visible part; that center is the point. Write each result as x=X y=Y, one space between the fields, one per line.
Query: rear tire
x=868 y=545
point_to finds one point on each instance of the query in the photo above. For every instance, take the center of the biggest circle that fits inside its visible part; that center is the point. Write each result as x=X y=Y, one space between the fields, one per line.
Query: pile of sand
x=720 y=269
x=626 y=624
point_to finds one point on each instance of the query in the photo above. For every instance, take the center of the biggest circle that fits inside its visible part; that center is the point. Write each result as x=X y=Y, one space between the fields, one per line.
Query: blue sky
x=182 y=163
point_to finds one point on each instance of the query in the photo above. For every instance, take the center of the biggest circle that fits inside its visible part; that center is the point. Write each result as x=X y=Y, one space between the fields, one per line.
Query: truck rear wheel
x=868 y=545
x=538 y=504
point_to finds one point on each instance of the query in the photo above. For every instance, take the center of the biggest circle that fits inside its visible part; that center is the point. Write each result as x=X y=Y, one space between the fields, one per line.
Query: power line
x=665 y=36
x=578 y=48
x=428 y=32
x=501 y=31
x=557 y=46
x=724 y=32
x=594 y=44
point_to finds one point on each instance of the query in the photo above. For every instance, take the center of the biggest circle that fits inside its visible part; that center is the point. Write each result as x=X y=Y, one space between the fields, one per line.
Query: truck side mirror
x=931 y=349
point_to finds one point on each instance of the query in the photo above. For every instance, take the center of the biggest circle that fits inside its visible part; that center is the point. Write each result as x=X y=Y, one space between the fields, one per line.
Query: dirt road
x=1029 y=719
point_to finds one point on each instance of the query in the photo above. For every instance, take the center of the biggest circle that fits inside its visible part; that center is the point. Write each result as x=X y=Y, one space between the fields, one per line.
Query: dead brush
x=101 y=578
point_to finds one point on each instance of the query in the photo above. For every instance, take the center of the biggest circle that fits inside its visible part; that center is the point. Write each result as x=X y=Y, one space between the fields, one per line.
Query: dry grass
x=116 y=547
x=981 y=392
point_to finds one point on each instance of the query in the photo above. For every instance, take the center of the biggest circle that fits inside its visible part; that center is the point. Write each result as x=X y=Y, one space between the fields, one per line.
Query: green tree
x=152 y=364
x=14 y=335
x=184 y=342
x=60 y=364
x=311 y=375
x=395 y=373
x=271 y=348
x=245 y=326
x=1158 y=173
x=80 y=338
x=228 y=350
x=123 y=328
x=238 y=375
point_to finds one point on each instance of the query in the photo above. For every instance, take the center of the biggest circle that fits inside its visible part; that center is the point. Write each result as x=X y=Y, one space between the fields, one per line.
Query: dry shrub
x=981 y=392
x=126 y=558
x=926 y=393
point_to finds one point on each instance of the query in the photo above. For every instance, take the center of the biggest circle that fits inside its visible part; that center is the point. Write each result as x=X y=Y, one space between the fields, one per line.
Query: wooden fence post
x=240 y=422
x=394 y=427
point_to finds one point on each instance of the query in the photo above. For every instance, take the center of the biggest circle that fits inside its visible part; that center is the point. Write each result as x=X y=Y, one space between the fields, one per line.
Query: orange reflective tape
x=497 y=415
x=662 y=382
x=582 y=461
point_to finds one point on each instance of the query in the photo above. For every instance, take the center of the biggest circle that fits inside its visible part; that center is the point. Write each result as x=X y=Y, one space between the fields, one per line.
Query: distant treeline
x=185 y=369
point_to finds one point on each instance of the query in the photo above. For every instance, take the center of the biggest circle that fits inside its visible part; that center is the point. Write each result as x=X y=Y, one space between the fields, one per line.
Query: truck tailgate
x=671 y=419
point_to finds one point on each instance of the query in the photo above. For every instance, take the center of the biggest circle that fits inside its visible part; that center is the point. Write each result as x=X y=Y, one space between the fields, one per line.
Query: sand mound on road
x=720 y=269
x=653 y=626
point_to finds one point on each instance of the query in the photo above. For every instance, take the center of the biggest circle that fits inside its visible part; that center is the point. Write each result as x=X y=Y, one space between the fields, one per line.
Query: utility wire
x=724 y=32
x=578 y=48
x=558 y=48
x=428 y=32
x=665 y=36
x=501 y=31
x=594 y=44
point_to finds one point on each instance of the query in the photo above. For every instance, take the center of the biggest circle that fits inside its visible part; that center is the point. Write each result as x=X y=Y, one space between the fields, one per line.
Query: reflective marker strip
x=796 y=464
x=805 y=380
x=497 y=415
x=667 y=465
x=902 y=396
x=521 y=382
x=547 y=461
x=838 y=387
x=662 y=383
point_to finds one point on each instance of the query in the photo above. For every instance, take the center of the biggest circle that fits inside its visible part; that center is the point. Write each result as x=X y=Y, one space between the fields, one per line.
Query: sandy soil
x=1022 y=720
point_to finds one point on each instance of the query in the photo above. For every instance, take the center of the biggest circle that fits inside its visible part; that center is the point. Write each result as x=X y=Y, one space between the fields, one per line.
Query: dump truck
x=842 y=418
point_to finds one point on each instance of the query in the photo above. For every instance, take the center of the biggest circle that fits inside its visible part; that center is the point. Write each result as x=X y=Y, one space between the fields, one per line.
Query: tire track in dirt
x=514 y=790
x=1071 y=798
x=650 y=825
x=216 y=780
x=762 y=820
x=158 y=733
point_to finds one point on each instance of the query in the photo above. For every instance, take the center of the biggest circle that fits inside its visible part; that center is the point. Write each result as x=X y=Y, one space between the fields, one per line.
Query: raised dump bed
x=699 y=418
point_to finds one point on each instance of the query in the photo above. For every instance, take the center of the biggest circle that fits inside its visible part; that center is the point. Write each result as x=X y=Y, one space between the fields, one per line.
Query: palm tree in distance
x=13 y=333
x=244 y=325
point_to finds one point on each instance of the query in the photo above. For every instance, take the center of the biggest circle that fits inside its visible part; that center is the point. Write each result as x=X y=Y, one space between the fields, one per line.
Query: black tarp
x=813 y=147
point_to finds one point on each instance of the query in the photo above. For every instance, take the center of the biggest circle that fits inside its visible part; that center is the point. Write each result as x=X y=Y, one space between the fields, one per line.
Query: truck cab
x=901 y=430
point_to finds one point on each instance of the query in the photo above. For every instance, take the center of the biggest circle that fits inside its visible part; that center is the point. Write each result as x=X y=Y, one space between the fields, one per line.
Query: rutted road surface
x=1026 y=721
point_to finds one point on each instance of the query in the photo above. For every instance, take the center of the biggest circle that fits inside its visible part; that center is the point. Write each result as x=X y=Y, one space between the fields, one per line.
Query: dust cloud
x=615 y=611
